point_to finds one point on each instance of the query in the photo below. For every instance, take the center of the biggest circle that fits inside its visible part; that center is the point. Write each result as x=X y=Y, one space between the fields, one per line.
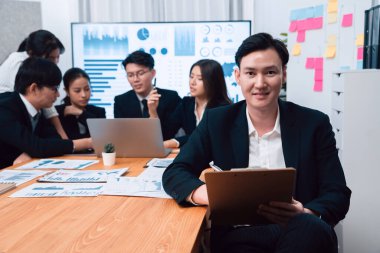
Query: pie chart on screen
x=143 y=34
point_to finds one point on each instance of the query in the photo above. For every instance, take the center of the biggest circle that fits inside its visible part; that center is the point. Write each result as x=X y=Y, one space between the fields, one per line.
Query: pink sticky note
x=318 y=86
x=302 y=25
x=318 y=75
x=360 y=53
x=301 y=36
x=309 y=23
x=347 y=20
x=318 y=63
x=293 y=26
x=317 y=23
x=309 y=63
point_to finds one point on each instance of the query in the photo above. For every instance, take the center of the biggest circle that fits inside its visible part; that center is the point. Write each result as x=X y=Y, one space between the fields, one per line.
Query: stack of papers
x=4 y=187
x=83 y=176
x=58 y=164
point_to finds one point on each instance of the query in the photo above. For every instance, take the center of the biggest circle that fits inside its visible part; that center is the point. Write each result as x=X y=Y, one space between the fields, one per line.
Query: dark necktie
x=145 y=111
x=35 y=119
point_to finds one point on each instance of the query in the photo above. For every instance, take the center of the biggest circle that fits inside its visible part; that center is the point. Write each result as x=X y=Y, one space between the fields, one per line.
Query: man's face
x=140 y=77
x=260 y=77
x=46 y=96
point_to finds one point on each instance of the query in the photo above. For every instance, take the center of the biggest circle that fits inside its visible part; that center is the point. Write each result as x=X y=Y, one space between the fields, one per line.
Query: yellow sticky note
x=359 y=40
x=331 y=40
x=332 y=7
x=333 y=1
x=330 y=52
x=332 y=17
x=296 y=49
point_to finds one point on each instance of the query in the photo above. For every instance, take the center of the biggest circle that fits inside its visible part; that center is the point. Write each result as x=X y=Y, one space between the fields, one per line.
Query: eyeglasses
x=138 y=74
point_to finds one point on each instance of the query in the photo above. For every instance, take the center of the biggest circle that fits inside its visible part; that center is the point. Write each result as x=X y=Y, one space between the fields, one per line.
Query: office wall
x=17 y=19
x=302 y=86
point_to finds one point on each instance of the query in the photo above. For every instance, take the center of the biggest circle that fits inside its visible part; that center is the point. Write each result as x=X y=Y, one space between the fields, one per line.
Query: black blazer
x=16 y=134
x=184 y=117
x=70 y=122
x=308 y=144
x=128 y=105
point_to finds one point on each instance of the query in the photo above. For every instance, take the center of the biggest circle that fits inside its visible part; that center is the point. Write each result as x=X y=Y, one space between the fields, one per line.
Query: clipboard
x=235 y=195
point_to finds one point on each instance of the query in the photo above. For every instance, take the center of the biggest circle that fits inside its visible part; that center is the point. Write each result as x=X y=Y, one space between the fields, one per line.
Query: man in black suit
x=139 y=67
x=24 y=133
x=266 y=132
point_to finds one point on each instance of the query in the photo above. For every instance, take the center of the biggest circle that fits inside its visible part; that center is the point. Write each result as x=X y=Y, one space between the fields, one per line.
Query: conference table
x=99 y=224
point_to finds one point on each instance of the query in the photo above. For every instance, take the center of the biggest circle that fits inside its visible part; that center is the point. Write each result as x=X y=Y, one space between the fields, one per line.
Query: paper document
x=152 y=173
x=160 y=162
x=135 y=186
x=82 y=176
x=58 y=164
x=40 y=190
x=19 y=177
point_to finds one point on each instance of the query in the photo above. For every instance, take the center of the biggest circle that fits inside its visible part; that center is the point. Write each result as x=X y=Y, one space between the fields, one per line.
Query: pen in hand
x=216 y=168
x=154 y=83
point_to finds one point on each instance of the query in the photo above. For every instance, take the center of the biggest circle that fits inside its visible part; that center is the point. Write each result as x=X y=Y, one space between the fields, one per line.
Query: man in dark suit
x=134 y=103
x=24 y=133
x=266 y=132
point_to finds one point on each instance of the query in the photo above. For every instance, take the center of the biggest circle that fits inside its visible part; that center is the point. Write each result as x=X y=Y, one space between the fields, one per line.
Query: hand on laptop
x=153 y=101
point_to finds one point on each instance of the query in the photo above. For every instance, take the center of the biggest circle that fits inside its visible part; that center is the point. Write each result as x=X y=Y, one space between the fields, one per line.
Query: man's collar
x=29 y=107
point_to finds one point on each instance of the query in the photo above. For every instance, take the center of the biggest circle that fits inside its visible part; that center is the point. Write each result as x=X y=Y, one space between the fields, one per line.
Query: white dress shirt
x=265 y=151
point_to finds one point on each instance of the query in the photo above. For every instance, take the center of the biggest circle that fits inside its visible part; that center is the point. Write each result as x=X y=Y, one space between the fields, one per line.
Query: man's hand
x=200 y=195
x=72 y=110
x=22 y=158
x=282 y=212
x=153 y=101
x=82 y=144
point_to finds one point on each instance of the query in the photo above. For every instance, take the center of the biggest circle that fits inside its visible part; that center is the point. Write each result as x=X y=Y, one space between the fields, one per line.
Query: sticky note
x=318 y=86
x=318 y=75
x=359 y=65
x=360 y=53
x=317 y=23
x=359 y=40
x=301 y=36
x=330 y=52
x=332 y=18
x=293 y=26
x=318 y=63
x=347 y=20
x=309 y=63
x=332 y=7
x=331 y=40
x=302 y=25
x=318 y=11
x=296 y=49
x=294 y=14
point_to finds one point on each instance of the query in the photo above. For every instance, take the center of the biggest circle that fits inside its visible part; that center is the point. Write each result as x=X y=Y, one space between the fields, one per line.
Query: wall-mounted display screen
x=99 y=49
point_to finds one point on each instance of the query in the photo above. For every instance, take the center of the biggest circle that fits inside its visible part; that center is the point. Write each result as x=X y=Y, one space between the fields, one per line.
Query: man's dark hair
x=139 y=58
x=261 y=41
x=37 y=70
x=41 y=43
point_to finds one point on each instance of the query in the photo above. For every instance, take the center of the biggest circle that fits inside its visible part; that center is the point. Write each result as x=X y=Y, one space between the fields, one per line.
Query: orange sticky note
x=330 y=51
x=296 y=49
x=332 y=18
x=347 y=20
x=309 y=63
x=359 y=40
x=301 y=36
x=318 y=86
x=332 y=7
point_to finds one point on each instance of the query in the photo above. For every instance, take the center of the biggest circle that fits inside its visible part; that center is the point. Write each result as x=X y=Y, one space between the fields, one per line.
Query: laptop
x=132 y=137
x=235 y=195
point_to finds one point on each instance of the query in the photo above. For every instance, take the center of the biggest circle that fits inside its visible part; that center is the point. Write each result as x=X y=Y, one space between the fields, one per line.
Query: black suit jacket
x=308 y=145
x=70 y=122
x=16 y=134
x=128 y=105
x=184 y=117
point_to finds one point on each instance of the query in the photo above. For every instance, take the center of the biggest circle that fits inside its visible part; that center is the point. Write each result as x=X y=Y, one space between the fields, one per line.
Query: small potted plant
x=109 y=154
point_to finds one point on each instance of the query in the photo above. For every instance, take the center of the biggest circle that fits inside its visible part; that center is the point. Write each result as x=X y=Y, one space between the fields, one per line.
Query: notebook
x=4 y=187
x=235 y=195
x=132 y=137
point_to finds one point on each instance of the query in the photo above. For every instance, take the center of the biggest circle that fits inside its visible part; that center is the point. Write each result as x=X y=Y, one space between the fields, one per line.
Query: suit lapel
x=290 y=135
x=239 y=138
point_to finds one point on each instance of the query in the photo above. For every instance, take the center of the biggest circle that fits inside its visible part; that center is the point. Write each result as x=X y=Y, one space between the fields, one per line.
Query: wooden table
x=99 y=224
